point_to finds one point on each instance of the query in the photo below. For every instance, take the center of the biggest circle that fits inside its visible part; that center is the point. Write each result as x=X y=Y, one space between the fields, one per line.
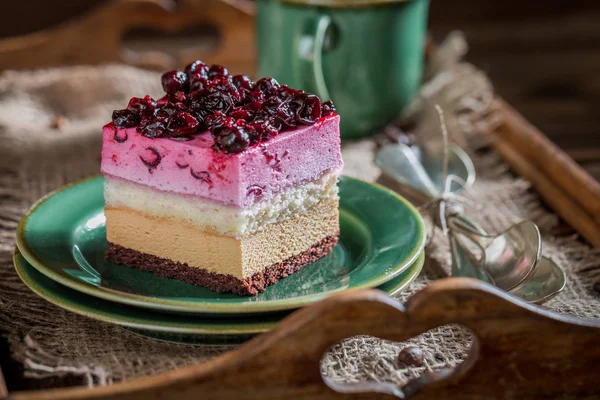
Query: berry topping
x=198 y=83
x=144 y=107
x=268 y=86
x=256 y=96
x=327 y=108
x=285 y=92
x=238 y=112
x=182 y=123
x=309 y=110
x=243 y=82
x=232 y=140
x=169 y=109
x=197 y=69
x=174 y=81
x=162 y=101
x=218 y=120
x=285 y=114
x=153 y=129
x=125 y=118
x=264 y=130
x=177 y=97
x=241 y=113
x=224 y=85
x=217 y=70
x=208 y=102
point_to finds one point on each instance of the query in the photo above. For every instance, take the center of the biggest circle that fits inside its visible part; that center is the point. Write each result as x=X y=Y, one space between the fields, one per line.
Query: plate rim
x=207 y=308
x=203 y=328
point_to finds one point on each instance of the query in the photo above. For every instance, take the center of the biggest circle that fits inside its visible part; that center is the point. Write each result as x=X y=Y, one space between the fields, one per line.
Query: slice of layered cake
x=224 y=182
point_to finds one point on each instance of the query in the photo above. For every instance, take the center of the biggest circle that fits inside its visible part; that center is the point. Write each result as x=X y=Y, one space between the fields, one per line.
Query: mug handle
x=323 y=23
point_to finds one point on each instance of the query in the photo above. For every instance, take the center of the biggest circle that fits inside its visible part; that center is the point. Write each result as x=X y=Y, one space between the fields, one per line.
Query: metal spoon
x=400 y=163
x=509 y=258
x=464 y=264
x=420 y=174
x=403 y=168
x=548 y=279
x=423 y=173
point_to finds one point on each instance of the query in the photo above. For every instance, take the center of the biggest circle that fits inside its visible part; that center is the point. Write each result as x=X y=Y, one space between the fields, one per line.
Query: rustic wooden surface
x=98 y=36
x=543 y=59
x=538 y=355
x=3 y=388
x=566 y=187
x=564 y=205
x=546 y=158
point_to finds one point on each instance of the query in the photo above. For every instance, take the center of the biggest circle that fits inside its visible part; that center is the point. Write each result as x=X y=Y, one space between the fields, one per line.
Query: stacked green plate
x=62 y=239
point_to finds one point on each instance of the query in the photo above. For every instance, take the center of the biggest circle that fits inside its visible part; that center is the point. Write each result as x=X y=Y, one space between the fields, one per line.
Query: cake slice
x=224 y=182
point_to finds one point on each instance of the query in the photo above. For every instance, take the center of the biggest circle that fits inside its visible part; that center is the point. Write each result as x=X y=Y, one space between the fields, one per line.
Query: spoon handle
x=470 y=229
x=463 y=264
x=402 y=164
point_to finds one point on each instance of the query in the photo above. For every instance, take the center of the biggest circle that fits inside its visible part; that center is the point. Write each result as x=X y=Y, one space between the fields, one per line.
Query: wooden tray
x=566 y=187
x=519 y=352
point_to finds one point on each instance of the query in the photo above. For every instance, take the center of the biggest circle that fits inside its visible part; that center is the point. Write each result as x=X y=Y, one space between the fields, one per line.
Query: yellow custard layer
x=240 y=257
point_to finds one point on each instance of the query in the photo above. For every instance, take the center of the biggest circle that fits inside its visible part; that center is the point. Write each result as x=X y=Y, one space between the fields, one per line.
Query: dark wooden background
x=543 y=56
x=544 y=59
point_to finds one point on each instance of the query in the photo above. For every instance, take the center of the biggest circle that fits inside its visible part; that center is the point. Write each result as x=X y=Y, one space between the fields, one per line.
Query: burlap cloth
x=37 y=157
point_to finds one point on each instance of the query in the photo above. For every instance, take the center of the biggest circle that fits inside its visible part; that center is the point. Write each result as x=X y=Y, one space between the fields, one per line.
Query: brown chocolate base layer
x=253 y=285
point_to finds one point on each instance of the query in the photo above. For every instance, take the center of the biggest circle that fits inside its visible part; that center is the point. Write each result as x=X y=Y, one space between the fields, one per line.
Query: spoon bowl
x=510 y=257
x=547 y=281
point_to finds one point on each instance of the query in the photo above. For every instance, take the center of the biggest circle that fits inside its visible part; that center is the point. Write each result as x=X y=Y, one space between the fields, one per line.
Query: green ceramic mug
x=365 y=55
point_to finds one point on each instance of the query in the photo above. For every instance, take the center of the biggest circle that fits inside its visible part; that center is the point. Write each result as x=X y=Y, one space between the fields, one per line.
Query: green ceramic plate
x=166 y=326
x=64 y=237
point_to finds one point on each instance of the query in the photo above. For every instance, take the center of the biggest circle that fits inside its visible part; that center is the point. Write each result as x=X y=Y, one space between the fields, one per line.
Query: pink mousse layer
x=194 y=168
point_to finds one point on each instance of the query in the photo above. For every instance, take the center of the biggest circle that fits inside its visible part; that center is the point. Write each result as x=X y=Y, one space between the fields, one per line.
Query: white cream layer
x=217 y=218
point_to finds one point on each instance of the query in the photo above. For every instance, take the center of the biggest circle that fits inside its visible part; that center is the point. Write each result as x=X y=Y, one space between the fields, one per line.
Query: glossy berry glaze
x=237 y=111
x=223 y=138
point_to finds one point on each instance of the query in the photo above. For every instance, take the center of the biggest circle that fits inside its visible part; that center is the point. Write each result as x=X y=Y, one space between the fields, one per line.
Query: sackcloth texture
x=50 y=123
